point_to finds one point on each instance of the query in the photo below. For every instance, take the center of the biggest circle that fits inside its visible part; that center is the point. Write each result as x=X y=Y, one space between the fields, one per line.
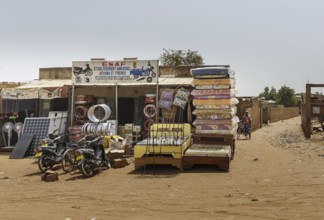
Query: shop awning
x=47 y=83
x=49 y=89
x=163 y=81
x=37 y=89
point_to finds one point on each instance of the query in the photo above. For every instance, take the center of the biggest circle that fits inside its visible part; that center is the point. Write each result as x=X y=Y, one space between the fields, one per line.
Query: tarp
x=37 y=89
x=49 y=89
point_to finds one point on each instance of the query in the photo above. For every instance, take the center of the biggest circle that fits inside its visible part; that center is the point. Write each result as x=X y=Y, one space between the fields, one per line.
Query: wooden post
x=308 y=111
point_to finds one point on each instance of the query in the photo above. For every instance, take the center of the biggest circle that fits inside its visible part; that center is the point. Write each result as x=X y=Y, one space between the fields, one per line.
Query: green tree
x=287 y=97
x=269 y=94
x=181 y=57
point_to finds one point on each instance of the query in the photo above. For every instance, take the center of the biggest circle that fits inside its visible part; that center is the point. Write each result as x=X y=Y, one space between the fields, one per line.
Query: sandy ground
x=276 y=175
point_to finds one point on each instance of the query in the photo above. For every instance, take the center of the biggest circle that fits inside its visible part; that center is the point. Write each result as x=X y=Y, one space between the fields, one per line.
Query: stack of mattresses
x=214 y=100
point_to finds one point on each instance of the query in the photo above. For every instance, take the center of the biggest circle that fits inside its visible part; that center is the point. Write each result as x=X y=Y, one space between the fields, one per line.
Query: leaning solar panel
x=38 y=127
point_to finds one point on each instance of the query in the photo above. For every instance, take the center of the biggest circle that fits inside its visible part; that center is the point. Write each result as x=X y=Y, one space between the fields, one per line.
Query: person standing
x=247 y=121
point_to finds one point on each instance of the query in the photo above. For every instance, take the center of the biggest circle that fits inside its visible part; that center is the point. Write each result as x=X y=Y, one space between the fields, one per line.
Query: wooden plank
x=315 y=85
x=141 y=162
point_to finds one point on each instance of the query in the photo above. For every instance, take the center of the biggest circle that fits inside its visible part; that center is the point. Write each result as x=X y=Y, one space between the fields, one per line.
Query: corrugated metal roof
x=46 y=83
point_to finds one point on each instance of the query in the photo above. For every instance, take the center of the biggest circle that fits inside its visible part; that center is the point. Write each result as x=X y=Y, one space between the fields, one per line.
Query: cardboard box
x=57 y=122
x=136 y=128
x=128 y=137
x=118 y=163
x=49 y=176
x=129 y=127
x=121 y=130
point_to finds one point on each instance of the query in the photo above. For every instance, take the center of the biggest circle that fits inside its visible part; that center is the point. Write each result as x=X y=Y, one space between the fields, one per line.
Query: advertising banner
x=16 y=93
x=124 y=71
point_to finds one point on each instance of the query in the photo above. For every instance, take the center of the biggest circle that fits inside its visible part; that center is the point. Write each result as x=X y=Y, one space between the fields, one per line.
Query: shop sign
x=124 y=71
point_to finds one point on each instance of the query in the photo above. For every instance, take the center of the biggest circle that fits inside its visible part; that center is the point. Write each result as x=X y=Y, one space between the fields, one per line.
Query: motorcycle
x=243 y=129
x=50 y=152
x=93 y=158
x=144 y=73
x=86 y=71
x=69 y=161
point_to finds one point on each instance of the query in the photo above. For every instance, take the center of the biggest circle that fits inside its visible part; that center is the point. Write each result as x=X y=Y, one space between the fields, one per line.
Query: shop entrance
x=125 y=110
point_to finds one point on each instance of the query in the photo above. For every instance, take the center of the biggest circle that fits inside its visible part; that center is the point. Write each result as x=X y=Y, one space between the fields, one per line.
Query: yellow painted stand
x=166 y=145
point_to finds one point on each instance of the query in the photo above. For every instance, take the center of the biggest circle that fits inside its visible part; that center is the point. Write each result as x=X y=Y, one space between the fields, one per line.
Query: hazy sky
x=267 y=43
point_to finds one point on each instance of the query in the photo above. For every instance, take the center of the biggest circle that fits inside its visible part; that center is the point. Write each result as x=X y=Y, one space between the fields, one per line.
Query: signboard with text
x=124 y=71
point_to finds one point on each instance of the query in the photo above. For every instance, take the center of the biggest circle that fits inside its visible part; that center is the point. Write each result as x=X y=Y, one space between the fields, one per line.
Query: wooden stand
x=223 y=163
x=210 y=149
x=216 y=139
x=141 y=162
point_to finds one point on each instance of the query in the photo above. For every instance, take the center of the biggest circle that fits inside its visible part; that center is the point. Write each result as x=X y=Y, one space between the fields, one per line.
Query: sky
x=267 y=42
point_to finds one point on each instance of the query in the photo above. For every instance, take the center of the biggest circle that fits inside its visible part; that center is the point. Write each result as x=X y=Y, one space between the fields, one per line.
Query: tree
x=181 y=57
x=269 y=95
x=287 y=97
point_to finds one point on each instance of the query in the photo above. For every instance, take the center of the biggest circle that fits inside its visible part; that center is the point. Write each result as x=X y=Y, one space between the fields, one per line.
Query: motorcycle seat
x=48 y=147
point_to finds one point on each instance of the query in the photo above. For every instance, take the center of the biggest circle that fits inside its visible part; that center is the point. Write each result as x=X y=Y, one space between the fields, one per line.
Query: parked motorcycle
x=50 y=152
x=243 y=130
x=86 y=71
x=69 y=161
x=92 y=159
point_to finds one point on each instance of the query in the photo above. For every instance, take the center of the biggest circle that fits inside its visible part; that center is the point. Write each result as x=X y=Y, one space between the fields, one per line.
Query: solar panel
x=38 y=127
x=22 y=145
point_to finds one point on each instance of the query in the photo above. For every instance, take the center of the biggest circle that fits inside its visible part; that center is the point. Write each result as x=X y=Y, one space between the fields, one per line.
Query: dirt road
x=276 y=175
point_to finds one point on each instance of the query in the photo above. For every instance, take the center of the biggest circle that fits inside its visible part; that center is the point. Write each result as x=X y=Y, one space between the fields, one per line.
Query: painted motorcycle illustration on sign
x=144 y=73
x=79 y=70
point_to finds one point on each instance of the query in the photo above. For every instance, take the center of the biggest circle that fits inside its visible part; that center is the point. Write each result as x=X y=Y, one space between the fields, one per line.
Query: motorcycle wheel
x=106 y=164
x=136 y=76
x=87 y=168
x=89 y=73
x=68 y=161
x=149 y=79
x=43 y=165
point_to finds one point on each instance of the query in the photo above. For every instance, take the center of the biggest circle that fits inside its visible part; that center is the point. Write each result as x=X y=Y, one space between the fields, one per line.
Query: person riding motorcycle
x=247 y=121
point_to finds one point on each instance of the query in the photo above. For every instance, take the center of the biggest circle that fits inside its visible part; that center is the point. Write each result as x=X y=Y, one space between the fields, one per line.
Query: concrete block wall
x=290 y=112
x=282 y=113
x=250 y=104
x=55 y=73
